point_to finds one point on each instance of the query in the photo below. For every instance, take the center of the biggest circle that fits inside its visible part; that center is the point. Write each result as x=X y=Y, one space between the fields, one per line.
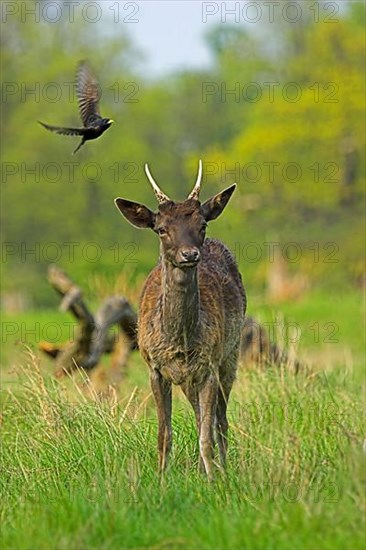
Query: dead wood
x=93 y=336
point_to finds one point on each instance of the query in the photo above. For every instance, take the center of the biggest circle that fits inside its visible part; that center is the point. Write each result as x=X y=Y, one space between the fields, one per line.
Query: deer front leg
x=162 y=391
x=192 y=395
x=207 y=401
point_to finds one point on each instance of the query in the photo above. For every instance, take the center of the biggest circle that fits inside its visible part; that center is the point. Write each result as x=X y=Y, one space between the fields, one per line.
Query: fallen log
x=92 y=338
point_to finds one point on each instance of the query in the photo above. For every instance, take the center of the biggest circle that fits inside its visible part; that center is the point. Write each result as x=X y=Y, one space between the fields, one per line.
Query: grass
x=79 y=469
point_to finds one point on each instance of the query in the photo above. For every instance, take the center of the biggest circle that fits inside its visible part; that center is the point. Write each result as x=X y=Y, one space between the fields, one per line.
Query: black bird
x=87 y=92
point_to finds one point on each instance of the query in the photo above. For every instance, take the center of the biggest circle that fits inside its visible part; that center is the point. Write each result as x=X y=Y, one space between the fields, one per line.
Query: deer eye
x=162 y=231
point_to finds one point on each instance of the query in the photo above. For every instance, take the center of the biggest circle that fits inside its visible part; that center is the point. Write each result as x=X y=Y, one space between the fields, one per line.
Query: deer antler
x=194 y=194
x=162 y=197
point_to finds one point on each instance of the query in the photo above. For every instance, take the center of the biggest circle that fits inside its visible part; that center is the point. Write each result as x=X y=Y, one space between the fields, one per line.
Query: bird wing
x=88 y=94
x=63 y=131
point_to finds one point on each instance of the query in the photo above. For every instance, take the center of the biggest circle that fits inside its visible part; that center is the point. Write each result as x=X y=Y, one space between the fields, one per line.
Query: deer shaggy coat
x=215 y=343
x=191 y=316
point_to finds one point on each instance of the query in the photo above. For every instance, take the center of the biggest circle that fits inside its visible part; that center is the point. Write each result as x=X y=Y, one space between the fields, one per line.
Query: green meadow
x=80 y=466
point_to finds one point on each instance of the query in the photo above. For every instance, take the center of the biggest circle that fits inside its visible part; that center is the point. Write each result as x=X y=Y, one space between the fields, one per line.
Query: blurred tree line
x=280 y=111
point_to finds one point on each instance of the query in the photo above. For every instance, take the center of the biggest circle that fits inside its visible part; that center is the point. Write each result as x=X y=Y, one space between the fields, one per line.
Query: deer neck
x=181 y=304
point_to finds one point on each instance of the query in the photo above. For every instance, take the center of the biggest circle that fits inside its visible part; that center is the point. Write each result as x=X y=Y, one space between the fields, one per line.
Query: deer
x=191 y=316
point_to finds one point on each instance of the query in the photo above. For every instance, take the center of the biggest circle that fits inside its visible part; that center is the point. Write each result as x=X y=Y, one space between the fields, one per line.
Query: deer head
x=181 y=226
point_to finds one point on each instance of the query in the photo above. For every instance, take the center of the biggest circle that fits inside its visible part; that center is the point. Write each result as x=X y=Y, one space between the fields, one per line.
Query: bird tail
x=47 y=126
x=78 y=147
x=63 y=131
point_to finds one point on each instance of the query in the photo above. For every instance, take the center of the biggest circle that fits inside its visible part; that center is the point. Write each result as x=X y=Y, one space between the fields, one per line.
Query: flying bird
x=87 y=92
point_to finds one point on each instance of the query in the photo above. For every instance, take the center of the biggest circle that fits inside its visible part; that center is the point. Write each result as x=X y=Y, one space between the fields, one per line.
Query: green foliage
x=173 y=122
x=313 y=118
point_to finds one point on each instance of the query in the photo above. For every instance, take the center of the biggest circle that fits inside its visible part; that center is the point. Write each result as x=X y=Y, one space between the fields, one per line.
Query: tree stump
x=256 y=348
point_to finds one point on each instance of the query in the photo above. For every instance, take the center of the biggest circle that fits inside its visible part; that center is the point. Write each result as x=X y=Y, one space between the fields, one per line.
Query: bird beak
x=110 y=121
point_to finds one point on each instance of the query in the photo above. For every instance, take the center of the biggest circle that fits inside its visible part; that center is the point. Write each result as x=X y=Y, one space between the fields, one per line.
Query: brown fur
x=221 y=315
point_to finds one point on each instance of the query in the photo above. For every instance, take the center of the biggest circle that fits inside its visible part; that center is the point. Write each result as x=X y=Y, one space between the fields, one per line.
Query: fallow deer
x=191 y=315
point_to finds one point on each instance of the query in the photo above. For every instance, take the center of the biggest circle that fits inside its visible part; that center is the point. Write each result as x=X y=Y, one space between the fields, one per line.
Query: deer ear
x=213 y=207
x=137 y=214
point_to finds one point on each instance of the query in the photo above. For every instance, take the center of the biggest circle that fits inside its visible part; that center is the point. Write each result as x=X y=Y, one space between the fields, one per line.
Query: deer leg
x=162 y=391
x=208 y=402
x=225 y=385
x=222 y=426
x=222 y=423
x=192 y=396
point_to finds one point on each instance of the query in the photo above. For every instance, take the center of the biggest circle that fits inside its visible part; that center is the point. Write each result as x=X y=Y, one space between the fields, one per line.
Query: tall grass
x=80 y=472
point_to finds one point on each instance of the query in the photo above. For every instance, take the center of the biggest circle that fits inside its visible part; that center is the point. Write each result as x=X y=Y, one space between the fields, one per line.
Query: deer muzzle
x=188 y=256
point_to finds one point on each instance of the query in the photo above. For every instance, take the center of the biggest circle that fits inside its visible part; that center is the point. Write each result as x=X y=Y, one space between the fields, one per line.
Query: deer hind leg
x=192 y=396
x=162 y=391
x=225 y=385
x=208 y=403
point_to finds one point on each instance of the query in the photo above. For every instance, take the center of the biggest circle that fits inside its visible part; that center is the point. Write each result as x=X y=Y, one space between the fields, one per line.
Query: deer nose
x=189 y=254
